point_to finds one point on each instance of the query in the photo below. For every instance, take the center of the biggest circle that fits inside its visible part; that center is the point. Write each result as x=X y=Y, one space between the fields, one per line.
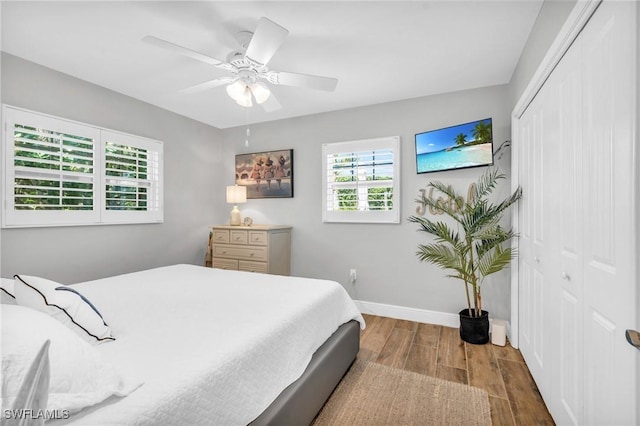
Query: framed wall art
x=266 y=174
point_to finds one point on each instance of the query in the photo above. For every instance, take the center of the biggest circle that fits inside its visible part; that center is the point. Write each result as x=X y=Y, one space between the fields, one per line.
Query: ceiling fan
x=249 y=65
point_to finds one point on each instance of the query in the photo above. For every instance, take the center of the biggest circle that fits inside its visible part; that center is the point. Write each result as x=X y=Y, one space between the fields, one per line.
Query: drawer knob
x=251 y=254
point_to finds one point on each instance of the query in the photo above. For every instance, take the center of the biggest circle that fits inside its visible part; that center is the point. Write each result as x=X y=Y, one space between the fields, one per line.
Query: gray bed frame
x=301 y=401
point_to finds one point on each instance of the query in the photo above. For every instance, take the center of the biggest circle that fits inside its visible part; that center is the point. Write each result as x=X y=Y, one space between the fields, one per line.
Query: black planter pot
x=474 y=329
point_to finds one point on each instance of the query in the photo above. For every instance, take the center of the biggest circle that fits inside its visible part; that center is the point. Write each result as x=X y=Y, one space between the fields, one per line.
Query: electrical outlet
x=353 y=276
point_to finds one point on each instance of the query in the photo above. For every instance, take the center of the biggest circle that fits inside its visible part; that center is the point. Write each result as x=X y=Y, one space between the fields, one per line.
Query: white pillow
x=65 y=304
x=79 y=376
x=7 y=295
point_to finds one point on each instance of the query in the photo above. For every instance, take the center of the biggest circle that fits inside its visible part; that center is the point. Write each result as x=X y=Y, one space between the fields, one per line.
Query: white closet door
x=578 y=235
x=550 y=239
x=566 y=195
x=533 y=255
x=611 y=369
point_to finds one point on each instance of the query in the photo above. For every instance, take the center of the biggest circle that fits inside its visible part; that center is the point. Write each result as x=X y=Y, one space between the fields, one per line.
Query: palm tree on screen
x=482 y=132
x=461 y=139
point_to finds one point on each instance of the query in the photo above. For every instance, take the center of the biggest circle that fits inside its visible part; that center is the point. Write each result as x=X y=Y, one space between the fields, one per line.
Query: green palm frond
x=487 y=183
x=438 y=229
x=508 y=202
x=446 y=258
x=440 y=255
x=495 y=261
x=449 y=192
x=476 y=250
x=480 y=217
x=491 y=237
x=445 y=189
x=443 y=234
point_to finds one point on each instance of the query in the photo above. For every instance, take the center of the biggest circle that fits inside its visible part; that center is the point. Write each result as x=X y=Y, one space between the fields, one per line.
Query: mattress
x=212 y=347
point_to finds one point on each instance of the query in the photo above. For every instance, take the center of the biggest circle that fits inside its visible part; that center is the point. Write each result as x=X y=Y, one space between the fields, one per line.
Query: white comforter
x=213 y=347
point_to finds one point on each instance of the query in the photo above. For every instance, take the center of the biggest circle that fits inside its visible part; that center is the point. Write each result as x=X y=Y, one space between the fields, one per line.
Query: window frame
x=362 y=214
x=131 y=216
x=98 y=214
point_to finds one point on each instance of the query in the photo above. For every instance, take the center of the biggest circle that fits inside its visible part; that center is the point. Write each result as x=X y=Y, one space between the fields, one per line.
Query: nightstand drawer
x=245 y=265
x=221 y=236
x=225 y=263
x=258 y=248
x=258 y=238
x=241 y=252
x=238 y=237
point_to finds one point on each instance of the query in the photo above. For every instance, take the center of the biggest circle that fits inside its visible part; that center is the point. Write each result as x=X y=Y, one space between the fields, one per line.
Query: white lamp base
x=235 y=218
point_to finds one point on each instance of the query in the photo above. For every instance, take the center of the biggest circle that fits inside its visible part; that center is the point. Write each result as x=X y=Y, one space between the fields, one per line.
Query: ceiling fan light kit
x=242 y=92
x=260 y=92
x=248 y=65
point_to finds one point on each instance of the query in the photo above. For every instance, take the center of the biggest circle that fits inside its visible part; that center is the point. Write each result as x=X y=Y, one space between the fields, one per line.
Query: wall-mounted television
x=456 y=147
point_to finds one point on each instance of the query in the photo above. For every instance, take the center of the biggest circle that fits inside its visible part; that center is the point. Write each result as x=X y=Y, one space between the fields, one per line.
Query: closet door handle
x=633 y=337
x=537 y=259
x=566 y=276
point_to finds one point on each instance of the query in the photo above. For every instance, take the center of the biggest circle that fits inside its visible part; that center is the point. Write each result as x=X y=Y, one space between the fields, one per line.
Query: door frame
x=576 y=20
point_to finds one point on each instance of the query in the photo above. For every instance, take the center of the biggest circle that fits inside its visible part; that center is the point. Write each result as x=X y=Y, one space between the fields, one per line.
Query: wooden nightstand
x=256 y=248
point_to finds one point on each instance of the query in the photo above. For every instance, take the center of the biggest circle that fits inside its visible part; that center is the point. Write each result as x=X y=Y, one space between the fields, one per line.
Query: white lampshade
x=242 y=92
x=236 y=89
x=236 y=194
x=245 y=99
x=260 y=92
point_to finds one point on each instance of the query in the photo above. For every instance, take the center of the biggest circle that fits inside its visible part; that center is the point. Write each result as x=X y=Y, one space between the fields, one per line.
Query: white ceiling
x=380 y=51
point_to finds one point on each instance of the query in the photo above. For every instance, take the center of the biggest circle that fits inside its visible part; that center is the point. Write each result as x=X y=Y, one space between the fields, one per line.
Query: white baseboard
x=414 y=314
x=410 y=314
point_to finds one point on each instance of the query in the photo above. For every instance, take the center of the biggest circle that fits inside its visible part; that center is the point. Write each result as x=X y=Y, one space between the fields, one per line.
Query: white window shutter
x=132 y=178
x=49 y=171
x=361 y=181
x=59 y=172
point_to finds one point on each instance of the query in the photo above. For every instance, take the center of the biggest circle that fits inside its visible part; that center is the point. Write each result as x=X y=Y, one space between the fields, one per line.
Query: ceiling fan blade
x=327 y=84
x=271 y=104
x=266 y=40
x=207 y=85
x=163 y=44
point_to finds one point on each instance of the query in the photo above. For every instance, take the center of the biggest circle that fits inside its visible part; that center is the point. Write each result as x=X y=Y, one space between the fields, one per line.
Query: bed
x=208 y=346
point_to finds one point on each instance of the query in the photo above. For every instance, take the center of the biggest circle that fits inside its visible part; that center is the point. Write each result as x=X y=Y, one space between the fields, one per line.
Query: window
x=132 y=177
x=361 y=181
x=59 y=172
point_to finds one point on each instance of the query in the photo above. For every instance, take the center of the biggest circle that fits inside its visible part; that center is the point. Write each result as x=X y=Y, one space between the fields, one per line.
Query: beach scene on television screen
x=456 y=147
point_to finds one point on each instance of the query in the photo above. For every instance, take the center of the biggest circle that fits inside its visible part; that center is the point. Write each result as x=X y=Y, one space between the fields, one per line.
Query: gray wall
x=383 y=254
x=201 y=158
x=550 y=20
x=192 y=169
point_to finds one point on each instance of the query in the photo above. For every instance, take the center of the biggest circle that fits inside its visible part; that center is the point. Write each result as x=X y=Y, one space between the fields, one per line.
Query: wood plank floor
x=438 y=351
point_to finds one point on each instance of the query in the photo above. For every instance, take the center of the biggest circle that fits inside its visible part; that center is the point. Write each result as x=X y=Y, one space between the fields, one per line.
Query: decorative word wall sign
x=449 y=202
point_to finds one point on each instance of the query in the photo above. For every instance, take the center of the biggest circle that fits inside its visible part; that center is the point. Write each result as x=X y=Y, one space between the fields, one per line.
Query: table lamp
x=236 y=195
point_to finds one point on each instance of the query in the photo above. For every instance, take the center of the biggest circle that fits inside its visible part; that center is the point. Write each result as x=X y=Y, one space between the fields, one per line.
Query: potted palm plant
x=474 y=248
